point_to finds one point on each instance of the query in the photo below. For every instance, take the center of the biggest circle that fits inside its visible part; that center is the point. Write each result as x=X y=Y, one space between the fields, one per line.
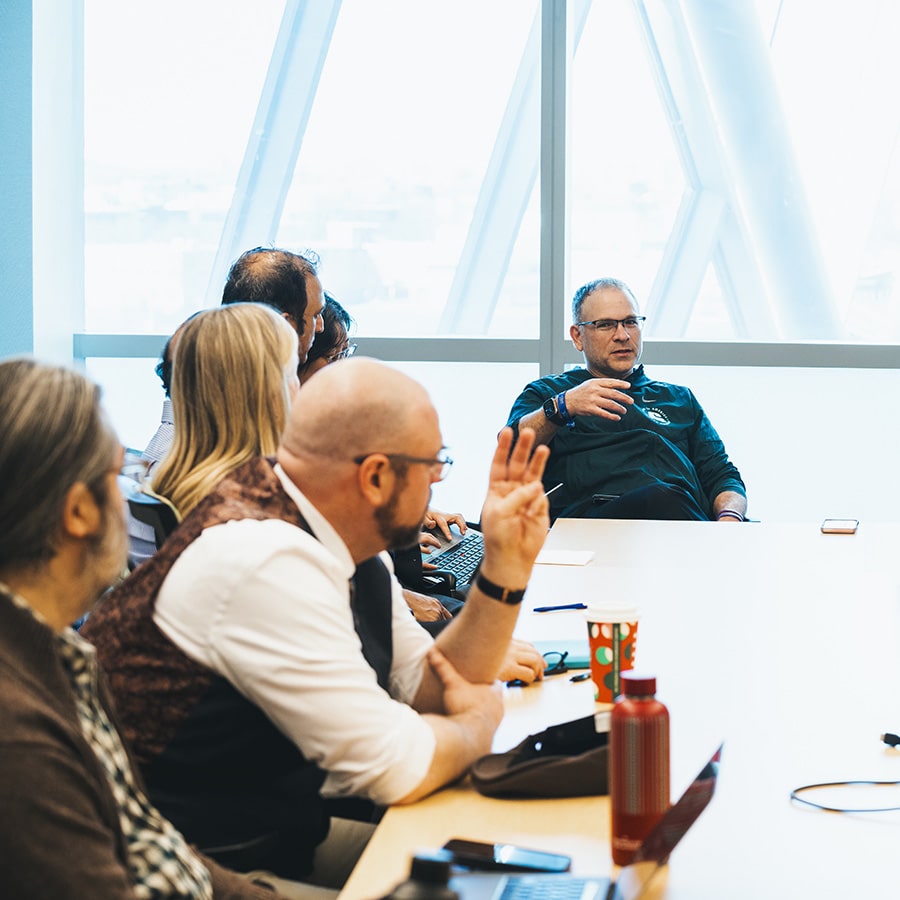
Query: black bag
x=565 y=760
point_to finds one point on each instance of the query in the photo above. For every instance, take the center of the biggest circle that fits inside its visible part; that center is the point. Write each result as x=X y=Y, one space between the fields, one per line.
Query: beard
x=106 y=553
x=396 y=535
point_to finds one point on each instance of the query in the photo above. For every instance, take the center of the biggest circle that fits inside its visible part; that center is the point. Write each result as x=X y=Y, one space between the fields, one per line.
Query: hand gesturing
x=515 y=514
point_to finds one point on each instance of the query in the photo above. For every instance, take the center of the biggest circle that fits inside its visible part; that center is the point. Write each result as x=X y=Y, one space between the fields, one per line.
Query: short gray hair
x=53 y=434
x=599 y=284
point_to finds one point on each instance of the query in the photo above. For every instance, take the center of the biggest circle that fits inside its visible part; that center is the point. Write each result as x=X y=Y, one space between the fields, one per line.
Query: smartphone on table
x=840 y=526
x=480 y=855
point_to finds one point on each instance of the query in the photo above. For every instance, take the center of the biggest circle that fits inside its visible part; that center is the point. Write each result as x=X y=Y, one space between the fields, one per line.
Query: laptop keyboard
x=461 y=560
x=519 y=888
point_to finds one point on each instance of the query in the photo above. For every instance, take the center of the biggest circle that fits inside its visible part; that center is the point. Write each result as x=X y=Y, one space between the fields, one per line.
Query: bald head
x=358 y=406
x=362 y=444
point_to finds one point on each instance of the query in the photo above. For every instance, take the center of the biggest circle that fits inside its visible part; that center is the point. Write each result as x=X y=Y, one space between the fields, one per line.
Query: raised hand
x=515 y=515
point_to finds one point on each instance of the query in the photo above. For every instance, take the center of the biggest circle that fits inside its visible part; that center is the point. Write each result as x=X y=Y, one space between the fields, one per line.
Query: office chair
x=157 y=512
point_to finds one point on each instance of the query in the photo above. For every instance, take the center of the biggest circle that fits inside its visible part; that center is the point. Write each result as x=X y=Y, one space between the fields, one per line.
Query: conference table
x=779 y=640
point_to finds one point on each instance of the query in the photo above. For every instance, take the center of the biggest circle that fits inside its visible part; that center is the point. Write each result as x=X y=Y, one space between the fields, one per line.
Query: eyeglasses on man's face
x=609 y=326
x=440 y=467
x=343 y=353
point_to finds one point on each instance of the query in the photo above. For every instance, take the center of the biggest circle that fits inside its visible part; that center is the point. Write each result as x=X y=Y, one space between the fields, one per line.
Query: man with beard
x=264 y=659
x=76 y=819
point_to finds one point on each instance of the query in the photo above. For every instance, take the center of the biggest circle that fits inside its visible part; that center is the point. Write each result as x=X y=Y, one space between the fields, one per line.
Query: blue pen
x=564 y=606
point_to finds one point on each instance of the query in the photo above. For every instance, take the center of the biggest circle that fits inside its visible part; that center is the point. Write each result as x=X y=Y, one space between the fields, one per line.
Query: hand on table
x=523 y=662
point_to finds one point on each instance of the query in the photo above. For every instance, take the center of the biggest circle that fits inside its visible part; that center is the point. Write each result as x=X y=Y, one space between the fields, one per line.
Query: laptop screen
x=633 y=878
x=669 y=830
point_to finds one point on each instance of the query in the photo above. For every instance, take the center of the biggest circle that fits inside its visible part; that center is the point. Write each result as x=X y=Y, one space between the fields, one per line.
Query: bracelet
x=495 y=592
x=564 y=410
x=730 y=512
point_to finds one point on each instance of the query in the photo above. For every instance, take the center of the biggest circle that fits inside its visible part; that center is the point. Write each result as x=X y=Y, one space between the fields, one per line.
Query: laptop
x=460 y=555
x=633 y=879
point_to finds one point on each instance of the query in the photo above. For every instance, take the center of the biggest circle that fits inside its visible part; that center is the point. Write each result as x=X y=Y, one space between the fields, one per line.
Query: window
x=717 y=159
x=409 y=181
x=170 y=93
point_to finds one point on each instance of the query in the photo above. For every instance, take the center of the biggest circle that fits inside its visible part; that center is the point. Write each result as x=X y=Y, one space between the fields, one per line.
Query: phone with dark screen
x=490 y=857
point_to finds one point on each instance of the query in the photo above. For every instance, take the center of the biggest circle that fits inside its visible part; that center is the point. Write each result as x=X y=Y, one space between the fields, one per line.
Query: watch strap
x=495 y=592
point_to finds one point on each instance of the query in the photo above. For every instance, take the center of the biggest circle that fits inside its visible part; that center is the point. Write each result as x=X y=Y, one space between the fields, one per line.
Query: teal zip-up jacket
x=663 y=437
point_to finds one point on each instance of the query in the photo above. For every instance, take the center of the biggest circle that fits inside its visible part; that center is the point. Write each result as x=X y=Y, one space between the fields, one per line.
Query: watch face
x=551 y=411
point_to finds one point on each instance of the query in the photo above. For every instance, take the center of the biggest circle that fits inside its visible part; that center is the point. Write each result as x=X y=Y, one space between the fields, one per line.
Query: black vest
x=213 y=762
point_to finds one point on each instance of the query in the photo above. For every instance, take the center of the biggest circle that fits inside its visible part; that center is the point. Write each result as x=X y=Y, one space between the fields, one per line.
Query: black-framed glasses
x=344 y=353
x=440 y=467
x=609 y=326
x=556 y=662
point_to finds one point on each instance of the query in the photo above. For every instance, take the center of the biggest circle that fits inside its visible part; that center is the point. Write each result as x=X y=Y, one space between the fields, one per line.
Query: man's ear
x=376 y=479
x=291 y=321
x=82 y=516
x=575 y=334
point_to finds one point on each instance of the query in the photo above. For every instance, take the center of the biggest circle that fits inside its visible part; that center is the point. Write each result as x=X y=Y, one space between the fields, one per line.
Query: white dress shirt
x=267 y=606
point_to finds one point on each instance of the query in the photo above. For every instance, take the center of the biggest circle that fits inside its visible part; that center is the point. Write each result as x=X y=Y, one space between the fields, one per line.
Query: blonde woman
x=233 y=378
x=234 y=374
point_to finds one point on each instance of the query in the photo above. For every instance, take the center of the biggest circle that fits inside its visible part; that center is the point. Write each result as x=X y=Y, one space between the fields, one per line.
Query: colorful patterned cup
x=612 y=636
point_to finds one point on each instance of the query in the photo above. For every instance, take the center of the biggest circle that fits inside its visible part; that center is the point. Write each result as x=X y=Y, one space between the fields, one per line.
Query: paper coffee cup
x=612 y=637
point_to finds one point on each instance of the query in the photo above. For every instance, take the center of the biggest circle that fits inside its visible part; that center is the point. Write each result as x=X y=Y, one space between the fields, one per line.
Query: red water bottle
x=638 y=764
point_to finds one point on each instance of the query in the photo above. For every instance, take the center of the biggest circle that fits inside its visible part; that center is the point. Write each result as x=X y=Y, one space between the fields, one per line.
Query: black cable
x=795 y=795
x=892 y=740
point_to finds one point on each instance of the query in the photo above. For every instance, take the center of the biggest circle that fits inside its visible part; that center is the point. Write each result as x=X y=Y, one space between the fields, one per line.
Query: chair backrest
x=156 y=512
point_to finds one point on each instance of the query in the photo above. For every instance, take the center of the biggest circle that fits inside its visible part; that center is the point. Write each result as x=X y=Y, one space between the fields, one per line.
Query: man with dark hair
x=334 y=341
x=76 y=820
x=288 y=281
x=623 y=445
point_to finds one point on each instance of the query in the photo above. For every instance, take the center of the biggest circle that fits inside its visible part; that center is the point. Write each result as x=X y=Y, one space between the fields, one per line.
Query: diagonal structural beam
x=267 y=170
x=716 y=83
x=509 y=179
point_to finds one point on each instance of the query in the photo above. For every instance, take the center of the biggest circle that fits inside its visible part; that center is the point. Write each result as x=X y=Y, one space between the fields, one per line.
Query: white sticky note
x=564 y=557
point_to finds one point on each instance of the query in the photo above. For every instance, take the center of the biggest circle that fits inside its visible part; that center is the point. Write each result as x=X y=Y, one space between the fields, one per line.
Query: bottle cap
x=431 y=866
x=633 y=683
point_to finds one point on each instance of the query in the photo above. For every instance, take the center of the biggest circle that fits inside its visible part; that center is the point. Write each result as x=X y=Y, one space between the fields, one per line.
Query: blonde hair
x=231 y=376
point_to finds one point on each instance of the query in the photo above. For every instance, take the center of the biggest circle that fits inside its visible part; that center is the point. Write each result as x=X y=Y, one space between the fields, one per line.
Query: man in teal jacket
x=623 y=445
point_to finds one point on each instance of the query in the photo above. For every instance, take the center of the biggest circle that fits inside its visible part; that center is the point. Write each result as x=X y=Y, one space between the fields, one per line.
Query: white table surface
x=780 y=640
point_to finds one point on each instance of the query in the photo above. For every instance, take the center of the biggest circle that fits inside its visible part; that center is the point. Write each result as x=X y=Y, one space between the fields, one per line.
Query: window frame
x=58 y=305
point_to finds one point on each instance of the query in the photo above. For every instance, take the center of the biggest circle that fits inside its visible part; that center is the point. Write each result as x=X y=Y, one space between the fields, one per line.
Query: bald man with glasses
x=264 y=659
x=623 y=445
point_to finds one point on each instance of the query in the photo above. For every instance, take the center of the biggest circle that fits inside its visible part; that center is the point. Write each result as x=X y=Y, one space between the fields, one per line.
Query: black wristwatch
x=552 y=413
x=496 y=592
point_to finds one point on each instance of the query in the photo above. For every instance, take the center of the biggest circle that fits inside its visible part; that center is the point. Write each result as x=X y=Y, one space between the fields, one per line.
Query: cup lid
x=598 y=611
